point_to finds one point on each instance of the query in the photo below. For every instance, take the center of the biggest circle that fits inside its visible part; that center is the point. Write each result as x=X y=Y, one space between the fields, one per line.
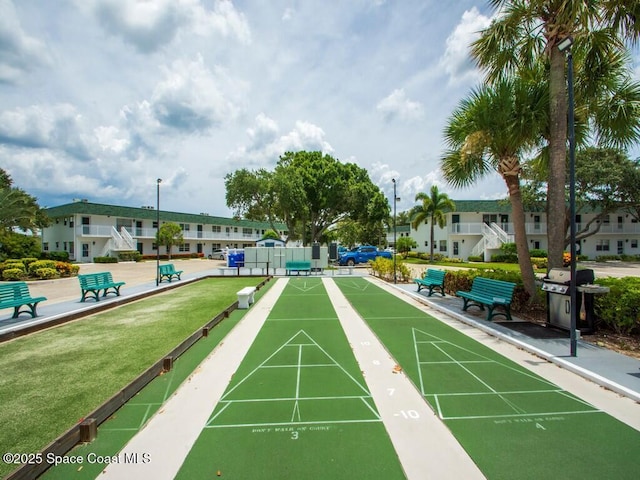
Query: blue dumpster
x=235 y=258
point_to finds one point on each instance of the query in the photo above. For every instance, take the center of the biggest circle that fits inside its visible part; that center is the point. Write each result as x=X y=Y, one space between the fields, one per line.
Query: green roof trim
x=88 y=208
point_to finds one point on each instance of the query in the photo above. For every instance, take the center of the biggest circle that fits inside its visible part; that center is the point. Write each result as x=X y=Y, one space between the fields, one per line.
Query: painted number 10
x=412 y=414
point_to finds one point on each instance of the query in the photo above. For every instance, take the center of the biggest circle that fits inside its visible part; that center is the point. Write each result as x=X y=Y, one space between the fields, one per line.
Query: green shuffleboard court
x=298 y=406
x=513 y=423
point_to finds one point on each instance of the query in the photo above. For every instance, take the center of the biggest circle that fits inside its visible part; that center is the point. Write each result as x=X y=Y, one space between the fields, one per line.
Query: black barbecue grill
x=557 y=285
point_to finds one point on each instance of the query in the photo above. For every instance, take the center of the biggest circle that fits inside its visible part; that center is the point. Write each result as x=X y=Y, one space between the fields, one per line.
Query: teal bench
x=16 y=295
x=298 y=266
x=489 y=292
x=168 y=271
x=92 y=283
x=433 y=279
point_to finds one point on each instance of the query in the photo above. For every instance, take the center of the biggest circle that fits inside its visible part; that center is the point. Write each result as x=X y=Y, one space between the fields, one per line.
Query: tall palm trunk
x=431 y=239
x=509 y=168
x=556 y=200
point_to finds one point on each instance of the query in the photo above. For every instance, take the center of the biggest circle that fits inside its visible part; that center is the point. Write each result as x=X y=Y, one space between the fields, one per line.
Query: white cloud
x=150 y=25
x=397 y=106
x=456 y=60
x=265 y=147
x=56 y=127
x=20 y=53
x=193 y=98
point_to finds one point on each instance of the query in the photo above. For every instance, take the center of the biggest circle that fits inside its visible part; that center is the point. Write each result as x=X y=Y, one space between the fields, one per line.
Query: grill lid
x=563 y=276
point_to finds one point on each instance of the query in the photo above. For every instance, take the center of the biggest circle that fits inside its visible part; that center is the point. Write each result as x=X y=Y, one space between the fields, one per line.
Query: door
x=86 y=225
x=620 y=247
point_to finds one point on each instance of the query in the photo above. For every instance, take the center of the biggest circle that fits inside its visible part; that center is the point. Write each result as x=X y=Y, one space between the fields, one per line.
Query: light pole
x=158 y=182
x=395 y=246
x=565 y=47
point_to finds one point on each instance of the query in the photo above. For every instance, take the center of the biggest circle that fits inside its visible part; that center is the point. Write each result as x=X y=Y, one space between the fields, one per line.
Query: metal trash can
x=556 y=284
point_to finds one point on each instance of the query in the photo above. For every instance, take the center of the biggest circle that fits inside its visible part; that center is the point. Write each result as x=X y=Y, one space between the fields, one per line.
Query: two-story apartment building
x=87 y=230
x=480 y=227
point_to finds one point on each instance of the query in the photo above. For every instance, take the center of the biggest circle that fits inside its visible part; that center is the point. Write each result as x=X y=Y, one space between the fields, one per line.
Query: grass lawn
x=53 y=378
x=513 y=267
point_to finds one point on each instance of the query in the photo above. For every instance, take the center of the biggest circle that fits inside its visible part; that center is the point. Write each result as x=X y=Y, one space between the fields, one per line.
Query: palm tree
x=490 y=131
x=527 y=32
x=433 y=209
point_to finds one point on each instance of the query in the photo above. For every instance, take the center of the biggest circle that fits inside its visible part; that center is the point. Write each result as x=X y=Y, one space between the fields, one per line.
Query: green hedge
x=105 y=260
x=619 y=310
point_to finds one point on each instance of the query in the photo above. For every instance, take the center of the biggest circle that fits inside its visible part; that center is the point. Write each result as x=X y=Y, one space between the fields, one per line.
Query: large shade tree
x=310 y=192
x=432 y=209
x=489 y=132
x=526 y=32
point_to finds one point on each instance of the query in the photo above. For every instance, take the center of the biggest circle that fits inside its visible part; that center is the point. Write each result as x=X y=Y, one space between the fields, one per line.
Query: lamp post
x=158 y=182
x=395 y=244
x=565 y=47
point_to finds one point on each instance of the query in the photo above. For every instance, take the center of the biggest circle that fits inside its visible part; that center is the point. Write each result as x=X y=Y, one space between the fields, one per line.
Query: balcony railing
x=150 y=233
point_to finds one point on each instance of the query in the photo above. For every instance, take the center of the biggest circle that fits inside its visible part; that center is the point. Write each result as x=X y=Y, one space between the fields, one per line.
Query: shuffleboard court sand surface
x=298 y=406
x=513 y=423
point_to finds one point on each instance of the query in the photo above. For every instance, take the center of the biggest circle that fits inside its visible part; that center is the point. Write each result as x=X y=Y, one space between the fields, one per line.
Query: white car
x=219 y=254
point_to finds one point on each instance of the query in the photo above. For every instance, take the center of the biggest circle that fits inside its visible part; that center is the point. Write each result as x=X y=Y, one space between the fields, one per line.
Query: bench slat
x=16 y=295
x=433 y=279
x=489 y=292
x=92 y=283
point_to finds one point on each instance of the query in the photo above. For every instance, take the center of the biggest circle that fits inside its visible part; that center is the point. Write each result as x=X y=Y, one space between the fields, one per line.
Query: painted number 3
x=294 y=435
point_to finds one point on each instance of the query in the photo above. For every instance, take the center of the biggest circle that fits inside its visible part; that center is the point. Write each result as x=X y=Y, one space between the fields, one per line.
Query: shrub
x=476 y=258
x=13 y=274
x=60 y=256
x=105 y=260
x=538 y=253
x=619 y=310
x=45 y=273
x=132 y=256
x=504 y=258
x=539 y=263
x=452 y=260
x=35 y=266
x=27 y=261
x=67 y=269
x=383 y=268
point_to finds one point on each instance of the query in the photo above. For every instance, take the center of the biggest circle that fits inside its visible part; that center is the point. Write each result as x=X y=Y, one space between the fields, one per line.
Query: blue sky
x=99 y=98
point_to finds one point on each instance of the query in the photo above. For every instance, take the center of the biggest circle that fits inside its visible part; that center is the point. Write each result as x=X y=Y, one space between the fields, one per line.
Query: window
x=634 y=243
x=247 y=232
x=85 y=250
x=45 y=246
x=185 y=247
x=536 y=222
x=216 y=228
x=443 y=246
x=71 y=247
x=155 y=225
x=602 y=246
x=605 y=220
x=455 y=248
x=184 y=227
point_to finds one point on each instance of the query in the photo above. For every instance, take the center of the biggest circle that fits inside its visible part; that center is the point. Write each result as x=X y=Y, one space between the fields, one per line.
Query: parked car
x=219 y=254
x=362 y=254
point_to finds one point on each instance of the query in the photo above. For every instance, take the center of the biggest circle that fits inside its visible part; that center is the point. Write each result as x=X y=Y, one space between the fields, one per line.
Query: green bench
x=16 y=295
x=433 y=279
x=489 y=292
x=92 y=283
x=168 y=271
x=298 y=266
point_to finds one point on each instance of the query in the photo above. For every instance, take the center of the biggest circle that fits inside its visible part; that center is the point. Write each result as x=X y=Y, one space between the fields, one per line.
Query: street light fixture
x=565 y=47
x=158 y=182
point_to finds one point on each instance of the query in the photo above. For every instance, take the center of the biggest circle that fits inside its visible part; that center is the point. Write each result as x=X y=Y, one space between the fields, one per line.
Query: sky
x=100 y=98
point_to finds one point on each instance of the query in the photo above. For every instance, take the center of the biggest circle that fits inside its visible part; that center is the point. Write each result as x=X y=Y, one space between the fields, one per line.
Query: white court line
x=522 y=415
x=291 y=399
x=294 y=424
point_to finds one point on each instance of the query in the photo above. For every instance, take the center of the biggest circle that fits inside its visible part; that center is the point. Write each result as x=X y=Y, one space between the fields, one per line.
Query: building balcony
x=104 y=231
